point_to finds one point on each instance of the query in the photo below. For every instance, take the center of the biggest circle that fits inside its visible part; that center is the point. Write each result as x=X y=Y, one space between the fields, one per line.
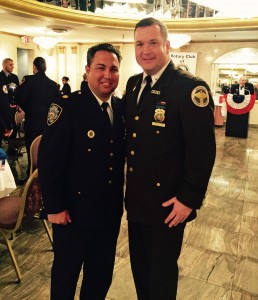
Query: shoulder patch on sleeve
x=5 y=89
x=200 y=96
x=54 y=113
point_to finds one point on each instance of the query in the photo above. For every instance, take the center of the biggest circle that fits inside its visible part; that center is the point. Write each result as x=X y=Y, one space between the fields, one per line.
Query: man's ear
x=168 y=46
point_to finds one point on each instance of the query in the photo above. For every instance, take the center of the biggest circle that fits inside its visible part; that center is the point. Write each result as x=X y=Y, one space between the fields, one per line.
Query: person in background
x=81 y=172
x=256 y=90
x=243 y=87
x=11 y=81
x=84 y=82
x=6 y=124
x=34 y=96
x=66 y=89
x=225 y=88
x=170 y=155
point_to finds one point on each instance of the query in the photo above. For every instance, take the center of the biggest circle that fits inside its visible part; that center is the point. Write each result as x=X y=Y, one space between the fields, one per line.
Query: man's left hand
x=179 y=212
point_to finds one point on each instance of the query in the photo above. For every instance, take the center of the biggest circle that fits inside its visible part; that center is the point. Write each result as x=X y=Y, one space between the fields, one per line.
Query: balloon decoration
x=239 y=104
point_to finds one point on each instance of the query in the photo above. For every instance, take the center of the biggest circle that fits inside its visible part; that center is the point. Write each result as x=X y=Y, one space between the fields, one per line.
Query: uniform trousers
x=92 y=248
x=154 y=251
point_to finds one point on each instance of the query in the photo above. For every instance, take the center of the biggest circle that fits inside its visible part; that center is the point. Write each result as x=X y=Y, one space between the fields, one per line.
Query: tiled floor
x=219 y=259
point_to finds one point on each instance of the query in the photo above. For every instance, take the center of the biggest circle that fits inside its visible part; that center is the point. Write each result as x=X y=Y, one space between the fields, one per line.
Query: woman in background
x=66 y=89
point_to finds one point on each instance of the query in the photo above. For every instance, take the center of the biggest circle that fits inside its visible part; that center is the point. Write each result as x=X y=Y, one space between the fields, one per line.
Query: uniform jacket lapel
x=156 y=89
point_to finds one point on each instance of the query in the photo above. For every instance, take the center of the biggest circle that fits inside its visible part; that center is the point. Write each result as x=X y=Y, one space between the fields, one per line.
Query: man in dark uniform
x=34 y=96
x=170 y=155
x=11 y=81
x=6 y=124
x=81 y=163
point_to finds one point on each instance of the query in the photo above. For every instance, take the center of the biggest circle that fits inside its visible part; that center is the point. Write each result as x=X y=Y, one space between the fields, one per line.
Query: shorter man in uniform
x=81 y=163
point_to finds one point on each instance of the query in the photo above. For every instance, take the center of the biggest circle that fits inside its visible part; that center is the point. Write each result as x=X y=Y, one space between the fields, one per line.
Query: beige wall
x=207 y=53
x=8 y=48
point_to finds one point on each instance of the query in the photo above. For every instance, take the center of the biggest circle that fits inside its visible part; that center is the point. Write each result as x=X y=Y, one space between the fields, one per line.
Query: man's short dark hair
x=102 y=47
x=152 y=21
x=40 y=64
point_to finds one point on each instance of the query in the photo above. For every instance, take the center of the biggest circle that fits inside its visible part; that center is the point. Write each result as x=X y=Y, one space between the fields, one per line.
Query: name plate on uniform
x=158 y=124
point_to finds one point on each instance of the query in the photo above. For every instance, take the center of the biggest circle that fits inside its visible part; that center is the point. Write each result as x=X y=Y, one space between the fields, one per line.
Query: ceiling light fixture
x=45 y=42
x=230 y=8
x=178 y=40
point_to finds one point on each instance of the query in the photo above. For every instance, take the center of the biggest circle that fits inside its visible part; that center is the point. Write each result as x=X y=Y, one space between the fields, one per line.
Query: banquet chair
x=14 y=208
x=34 y=154
x=18 y=143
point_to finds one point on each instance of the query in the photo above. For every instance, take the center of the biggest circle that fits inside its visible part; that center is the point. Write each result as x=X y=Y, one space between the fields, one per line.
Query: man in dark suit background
x=170 y=155
x=237 y=124
x=81 y=163
x=243 y=87
x=34 y=96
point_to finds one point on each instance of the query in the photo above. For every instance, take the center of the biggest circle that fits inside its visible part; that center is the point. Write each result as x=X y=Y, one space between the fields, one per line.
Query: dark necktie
x=146 y=88
x=104 y=107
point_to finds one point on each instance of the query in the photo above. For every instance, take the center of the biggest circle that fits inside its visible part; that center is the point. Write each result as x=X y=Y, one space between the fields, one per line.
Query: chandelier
x=45 y=42
x=178 y=40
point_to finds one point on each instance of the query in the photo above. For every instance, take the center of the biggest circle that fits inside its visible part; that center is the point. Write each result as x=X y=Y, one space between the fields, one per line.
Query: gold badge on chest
x=160 y=114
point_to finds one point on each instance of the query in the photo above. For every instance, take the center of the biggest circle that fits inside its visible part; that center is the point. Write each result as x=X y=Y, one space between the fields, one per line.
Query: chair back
x=19 y=121
x=17 y=143
x=34 y=153
x=14 y=207
x=32 y=196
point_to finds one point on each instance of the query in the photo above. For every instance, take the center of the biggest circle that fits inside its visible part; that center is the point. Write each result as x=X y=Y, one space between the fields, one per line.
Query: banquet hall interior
x=214 y=40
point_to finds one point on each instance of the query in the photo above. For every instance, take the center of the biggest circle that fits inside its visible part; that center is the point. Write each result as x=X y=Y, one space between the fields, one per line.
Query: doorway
x=24 y=62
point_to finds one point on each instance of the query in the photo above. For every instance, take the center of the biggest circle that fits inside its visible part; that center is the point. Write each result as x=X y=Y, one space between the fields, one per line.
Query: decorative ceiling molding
x=41 y=10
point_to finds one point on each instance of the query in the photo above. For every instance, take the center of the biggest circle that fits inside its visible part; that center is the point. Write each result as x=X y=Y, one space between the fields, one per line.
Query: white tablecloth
x=7 y=182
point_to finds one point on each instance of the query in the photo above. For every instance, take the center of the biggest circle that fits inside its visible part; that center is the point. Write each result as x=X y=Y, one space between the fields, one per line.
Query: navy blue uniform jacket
x=81 y=163
x=173 y=157
x=34 y=96
x=5 y=110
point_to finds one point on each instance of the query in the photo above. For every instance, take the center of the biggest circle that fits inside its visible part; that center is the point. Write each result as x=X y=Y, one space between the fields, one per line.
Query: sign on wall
x=185 y=60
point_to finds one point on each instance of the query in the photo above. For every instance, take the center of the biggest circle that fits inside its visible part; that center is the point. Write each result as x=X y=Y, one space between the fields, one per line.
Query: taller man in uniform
x=170 y=155
x=81 y=164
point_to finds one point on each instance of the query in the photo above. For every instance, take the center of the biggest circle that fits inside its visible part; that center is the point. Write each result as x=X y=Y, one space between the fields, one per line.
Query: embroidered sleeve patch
x=200 y=96
x=5 y=89
x=54 y=113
